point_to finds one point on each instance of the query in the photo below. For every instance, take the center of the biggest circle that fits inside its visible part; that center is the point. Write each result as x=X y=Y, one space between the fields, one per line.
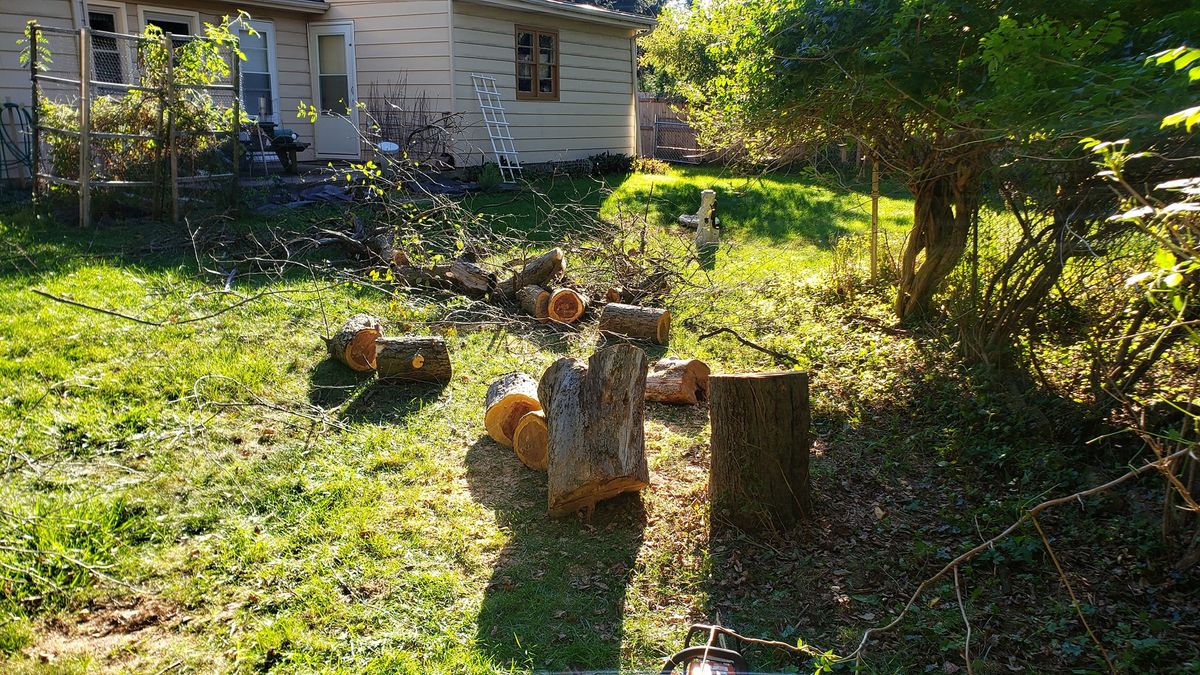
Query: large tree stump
x=536 y=272
x=354 y=343
x=535 y=300
x=682 y=381
x=413 y=359
x=758 y=480
x=566 y=305
x=529 y=440
x=641 y=323
x=506 y=402
x=596 y=447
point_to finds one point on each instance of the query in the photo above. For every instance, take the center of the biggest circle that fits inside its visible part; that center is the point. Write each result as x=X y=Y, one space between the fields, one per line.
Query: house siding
x=291 y=44
x=596 y=107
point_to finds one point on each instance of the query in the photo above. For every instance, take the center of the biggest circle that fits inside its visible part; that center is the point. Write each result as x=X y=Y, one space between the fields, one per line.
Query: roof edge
x=302 y=6
x=590 y=13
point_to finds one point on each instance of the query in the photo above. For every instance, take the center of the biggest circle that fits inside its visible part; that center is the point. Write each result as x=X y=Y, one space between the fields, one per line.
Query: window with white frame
x=107 y=64
x=260 y=86
x=175 y=22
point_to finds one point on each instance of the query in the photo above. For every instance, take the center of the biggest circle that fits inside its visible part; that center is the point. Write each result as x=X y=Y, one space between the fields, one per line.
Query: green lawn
x=217 y=495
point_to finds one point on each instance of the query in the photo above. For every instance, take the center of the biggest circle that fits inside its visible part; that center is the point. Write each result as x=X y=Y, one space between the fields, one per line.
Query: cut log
x=682 y=381
x=758 y=479
x=506 y=402
x=618 y=294
x=413 y=359
x=470 y=279
x=566 y=305
x=354 y=343
x=595 y=435
x=535 y=300
x=536 y=272
x=529 y=440
x=632 y=321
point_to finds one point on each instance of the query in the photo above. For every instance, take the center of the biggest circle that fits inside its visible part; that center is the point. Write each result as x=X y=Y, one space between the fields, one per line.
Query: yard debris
x=529 y=440
x=639 y=323
x=508 y=399
x=595 y=430
x=413 y=359
x=566 y=305
x=681 y=381
x=354 y=343
x=538 y=271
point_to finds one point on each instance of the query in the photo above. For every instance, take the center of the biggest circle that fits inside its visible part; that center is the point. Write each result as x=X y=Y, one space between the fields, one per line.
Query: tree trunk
x=529 y=440
x=508 y=399
x=595 y=431
x=683 y=381
x=758 y=480
x=641 y=323
x=413 y=359
x=946 y=202
x=535 y=300
x=354 y=343
x=536 y=272
x=566 y=305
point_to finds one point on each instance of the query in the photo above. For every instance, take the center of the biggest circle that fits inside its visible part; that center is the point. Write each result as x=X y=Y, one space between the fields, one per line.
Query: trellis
x=85 y=66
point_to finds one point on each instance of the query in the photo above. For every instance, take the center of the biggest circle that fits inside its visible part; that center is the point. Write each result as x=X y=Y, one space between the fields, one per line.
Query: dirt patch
x=114 y=634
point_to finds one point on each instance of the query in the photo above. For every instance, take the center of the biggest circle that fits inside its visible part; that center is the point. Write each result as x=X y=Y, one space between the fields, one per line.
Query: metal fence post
x=874 y=217
x=85 y=122
x=36 y=159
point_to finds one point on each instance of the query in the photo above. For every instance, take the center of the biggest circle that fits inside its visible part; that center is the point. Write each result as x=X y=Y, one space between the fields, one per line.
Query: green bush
x=652 y=165
x=489 y=177
x=608 y=163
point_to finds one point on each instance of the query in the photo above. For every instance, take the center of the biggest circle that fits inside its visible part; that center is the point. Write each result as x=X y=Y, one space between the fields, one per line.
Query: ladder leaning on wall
x=497 y=127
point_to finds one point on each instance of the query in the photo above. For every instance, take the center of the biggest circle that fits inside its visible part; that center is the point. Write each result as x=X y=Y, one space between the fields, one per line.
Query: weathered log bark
x=413 y=359
x=758 y=479
x=566 y=305
x=529 y=440
x=631 y=321
x=682 y=381
x=508 y=399
x=471 y=279
x=595 y=435
x=354 y=343
x=536 y=272
x=535 y=300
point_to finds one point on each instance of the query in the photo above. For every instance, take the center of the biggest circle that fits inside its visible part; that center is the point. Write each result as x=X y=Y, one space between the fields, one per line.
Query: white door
x=331 y=52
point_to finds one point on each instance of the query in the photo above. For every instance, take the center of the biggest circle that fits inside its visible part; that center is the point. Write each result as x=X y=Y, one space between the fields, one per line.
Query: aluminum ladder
x=497 y=127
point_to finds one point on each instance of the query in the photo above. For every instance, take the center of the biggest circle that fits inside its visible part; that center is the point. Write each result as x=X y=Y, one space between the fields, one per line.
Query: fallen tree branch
x=770 y=352
x=1161 y=464
x=160 y=324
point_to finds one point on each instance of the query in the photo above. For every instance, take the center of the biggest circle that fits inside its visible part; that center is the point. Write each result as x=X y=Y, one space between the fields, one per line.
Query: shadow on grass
x=331 y=383
x=556 y=597
x=389 y=403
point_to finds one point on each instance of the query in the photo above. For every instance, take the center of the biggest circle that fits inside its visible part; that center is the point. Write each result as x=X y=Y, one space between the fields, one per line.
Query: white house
x=566 y=72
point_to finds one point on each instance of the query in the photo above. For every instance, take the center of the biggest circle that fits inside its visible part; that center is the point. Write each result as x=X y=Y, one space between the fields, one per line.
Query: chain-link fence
x=675 y=141
x=138 y=124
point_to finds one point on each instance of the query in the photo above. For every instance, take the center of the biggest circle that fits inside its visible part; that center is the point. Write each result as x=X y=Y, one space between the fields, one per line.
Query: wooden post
x=172 y=141
x=36 y=160
x=85 y=123
x=874 y=217
x=758 y=479
x=235 y=132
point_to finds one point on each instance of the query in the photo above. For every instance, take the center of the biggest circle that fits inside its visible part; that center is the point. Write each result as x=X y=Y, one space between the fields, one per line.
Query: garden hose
x=22 y=150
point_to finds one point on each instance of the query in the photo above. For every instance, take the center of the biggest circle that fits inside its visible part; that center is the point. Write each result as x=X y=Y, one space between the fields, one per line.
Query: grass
x=217 y=495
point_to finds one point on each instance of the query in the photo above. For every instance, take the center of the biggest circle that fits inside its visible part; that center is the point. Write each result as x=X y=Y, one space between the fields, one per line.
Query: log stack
x=537 y=271
x=595 y=436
